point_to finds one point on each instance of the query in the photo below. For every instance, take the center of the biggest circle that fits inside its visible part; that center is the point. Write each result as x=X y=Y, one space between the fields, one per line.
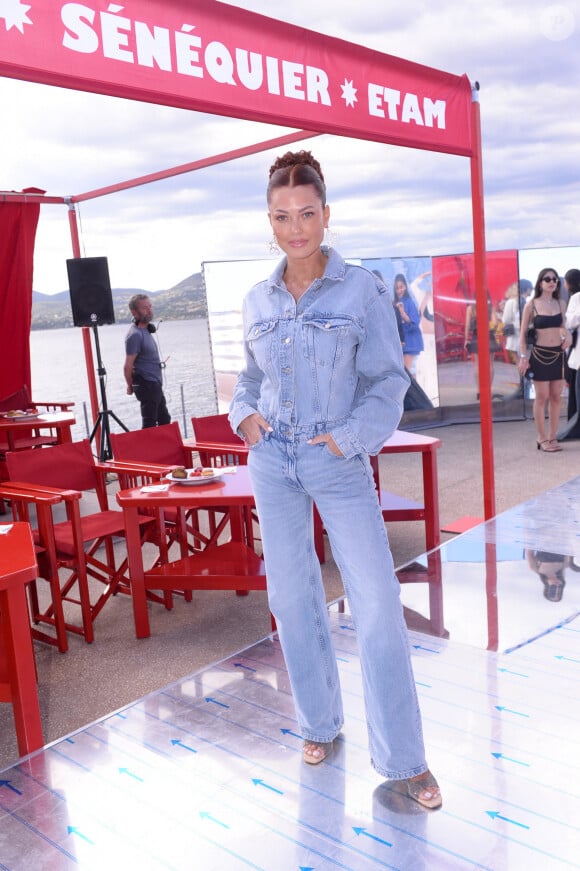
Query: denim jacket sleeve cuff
x=346 y=440
x=238 y=414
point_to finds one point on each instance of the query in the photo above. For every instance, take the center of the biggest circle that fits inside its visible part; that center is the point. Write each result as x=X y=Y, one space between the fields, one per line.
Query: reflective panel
x=207 y=772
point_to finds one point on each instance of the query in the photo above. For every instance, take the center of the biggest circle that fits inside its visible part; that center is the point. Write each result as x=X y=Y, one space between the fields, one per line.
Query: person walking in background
x=322 y=388
x=516 y=296
x=143 y=367
x=544 y=315
x=410 y=320
x=572 y=428
x=471 y=339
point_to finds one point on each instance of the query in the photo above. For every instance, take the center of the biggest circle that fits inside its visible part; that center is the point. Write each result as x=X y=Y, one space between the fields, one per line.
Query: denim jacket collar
x=335 y=269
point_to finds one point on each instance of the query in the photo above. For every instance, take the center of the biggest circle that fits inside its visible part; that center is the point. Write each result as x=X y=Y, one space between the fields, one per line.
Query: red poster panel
x=454 y=294
x=211 y=57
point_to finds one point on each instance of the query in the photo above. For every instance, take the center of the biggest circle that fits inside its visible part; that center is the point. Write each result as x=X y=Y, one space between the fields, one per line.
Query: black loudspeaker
x=90 y=291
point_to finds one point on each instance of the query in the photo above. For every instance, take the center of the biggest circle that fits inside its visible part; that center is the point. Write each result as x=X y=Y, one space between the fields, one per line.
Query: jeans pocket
x=257 y=445
x=331 y=453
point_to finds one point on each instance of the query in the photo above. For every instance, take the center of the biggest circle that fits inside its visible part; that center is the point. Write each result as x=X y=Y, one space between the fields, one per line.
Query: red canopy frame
x=209 y=57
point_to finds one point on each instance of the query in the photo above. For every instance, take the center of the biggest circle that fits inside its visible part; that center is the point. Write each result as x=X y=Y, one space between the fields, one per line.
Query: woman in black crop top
x=544 y=313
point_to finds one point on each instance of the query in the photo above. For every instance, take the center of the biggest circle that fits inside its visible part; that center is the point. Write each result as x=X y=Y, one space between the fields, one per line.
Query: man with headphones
x=142 y=369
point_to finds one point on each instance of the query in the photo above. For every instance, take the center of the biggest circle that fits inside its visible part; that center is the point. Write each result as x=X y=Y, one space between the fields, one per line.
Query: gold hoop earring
x=273 y=246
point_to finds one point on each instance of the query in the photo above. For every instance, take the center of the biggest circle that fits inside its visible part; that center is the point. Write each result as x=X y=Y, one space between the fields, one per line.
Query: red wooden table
x=230 y=566
x=15 y=432
x=17 y=666
x=396 y=507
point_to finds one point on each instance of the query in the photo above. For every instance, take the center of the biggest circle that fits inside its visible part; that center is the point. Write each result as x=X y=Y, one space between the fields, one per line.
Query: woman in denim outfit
x=322 y=388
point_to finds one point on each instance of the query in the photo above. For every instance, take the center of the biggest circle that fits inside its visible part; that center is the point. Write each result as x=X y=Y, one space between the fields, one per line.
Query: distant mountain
x=182 y=302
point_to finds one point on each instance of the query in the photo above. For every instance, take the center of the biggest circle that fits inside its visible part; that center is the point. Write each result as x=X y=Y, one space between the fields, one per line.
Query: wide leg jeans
x=288 y=475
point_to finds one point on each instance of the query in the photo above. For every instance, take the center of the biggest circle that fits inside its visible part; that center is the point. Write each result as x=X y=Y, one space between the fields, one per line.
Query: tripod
x=102 y=421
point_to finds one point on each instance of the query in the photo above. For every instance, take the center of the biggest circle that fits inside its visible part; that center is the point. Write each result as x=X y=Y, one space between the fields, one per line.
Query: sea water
x=59 y=372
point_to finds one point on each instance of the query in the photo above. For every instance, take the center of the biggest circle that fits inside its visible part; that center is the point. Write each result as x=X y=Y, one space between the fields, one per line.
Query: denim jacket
x=329 y=363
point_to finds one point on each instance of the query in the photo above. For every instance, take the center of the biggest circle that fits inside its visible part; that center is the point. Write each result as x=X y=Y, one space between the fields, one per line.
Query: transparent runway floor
x=207 y=773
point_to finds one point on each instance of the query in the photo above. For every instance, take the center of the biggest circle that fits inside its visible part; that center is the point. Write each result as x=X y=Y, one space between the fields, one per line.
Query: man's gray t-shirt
x=147 y=363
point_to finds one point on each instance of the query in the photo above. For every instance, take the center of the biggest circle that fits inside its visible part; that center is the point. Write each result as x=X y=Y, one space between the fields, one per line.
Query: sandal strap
x=426 y=784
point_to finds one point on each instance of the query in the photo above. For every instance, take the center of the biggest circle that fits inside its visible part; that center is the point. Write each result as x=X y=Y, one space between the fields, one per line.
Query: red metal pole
x=482 y=313
x=204 y=162
x=88 y=348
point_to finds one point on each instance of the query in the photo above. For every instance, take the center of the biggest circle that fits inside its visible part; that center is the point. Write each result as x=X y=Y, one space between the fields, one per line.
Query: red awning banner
x=211 y=57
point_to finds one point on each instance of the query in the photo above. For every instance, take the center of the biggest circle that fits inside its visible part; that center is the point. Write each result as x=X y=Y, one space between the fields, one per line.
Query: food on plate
x=179 y=472
x=200 y=472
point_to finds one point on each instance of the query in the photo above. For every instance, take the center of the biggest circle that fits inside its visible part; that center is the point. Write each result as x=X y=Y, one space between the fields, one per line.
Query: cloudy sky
x=385 y=201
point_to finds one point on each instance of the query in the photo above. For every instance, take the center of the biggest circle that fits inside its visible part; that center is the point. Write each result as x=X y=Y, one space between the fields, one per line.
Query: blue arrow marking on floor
x=426 y=685
x=215 y=702
x=509 y=759
x=241 y=665
x=258 y=782
x=358 y=830
x=509 y=711
x=348 y=628
x=9 y=786
x=428 y=649
x=122 y=716
x=305 y=868
x=341 y=659
x=72 y=830
x=205 y=816
x=567 y=659
x=69 y=740
x=517 y=673
x=495 y=815
x=130 y=774
x=290 y=732
x=177 y=743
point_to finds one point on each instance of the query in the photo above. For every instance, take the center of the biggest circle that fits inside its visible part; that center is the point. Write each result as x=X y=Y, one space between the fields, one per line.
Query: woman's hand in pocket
x=327 y=439
x=253 y=427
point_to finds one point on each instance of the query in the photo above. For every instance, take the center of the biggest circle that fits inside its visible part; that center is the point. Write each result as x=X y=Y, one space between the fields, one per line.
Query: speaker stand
x=103 y=418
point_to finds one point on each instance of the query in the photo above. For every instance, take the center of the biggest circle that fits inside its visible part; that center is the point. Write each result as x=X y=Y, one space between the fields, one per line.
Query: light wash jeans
x=287 y=476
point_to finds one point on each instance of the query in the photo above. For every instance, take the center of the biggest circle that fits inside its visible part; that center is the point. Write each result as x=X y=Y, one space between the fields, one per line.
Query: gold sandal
x=315 y=752
x=425 y=790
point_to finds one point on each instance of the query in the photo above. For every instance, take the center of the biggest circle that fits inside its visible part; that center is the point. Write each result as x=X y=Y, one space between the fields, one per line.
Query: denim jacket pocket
x=325 y=339
x=261 y=340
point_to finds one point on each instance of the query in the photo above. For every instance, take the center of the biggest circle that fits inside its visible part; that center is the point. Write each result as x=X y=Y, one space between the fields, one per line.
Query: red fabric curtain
x=18 y=222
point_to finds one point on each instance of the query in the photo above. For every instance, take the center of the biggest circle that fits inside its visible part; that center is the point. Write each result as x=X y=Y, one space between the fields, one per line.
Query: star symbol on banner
x=14 y=14
x=348 y=92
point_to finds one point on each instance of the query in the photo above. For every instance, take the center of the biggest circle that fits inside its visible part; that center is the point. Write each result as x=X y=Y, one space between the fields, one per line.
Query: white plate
x=20 y=416
x=195 y=482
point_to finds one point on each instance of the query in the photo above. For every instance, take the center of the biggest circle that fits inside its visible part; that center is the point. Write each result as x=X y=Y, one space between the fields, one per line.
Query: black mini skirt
x=546 y=364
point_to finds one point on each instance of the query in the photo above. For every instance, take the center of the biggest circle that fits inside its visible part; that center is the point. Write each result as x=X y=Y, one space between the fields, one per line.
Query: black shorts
x=546 y=364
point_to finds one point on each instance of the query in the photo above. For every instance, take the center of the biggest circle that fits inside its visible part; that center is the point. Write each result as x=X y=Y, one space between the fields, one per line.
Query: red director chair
x=83 y=543
x=217 y=445
x=138 y=458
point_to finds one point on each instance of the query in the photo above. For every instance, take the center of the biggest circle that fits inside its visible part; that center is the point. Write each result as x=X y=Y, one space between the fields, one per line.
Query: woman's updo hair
x=296 y=168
